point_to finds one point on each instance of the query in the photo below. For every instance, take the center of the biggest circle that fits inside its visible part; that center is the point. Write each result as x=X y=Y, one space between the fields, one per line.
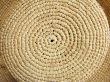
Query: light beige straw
x=5 y=75
x=54 y=40
x=103 y=74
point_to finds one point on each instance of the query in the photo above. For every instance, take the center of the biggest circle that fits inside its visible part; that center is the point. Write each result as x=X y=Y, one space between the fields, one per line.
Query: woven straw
x=103 y=74
x=5 y=76
x=106 y=6
x=54 y=40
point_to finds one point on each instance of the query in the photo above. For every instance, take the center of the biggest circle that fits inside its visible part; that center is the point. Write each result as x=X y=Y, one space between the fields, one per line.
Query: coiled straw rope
x=54 y=40
x=106 y=6
x=103 y=74
x=5 y=76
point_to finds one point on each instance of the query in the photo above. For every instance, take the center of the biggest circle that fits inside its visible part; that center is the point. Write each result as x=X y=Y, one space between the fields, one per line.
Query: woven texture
x=54 y=40
x=103 y=74
x=106 y=6
x=5 y=75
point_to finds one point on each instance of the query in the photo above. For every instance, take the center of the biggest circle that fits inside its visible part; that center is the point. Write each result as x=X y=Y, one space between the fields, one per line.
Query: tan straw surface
x=5 y=75
x=54 y=40
x=106 y=6
x=103 y=74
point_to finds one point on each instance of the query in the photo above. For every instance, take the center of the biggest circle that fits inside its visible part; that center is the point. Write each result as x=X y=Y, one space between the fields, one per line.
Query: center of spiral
x=52 y=40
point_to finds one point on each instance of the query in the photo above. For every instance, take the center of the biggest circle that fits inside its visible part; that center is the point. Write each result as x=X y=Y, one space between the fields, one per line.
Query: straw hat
x=55 y=40
x=103 y=74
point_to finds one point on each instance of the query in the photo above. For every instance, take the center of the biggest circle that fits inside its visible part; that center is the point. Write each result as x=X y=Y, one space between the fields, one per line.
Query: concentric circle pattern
x=55 y=40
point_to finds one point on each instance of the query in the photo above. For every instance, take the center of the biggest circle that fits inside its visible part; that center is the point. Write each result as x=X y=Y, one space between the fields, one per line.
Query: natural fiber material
x=54 y=40
x=103 y=74
x=106 y=6
x=5 y=75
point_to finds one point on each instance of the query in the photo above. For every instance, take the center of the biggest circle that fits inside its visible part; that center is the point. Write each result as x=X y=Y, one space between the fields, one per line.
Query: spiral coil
x=55 y=40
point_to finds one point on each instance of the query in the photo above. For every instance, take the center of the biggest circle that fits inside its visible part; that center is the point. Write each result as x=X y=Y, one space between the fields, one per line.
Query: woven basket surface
x=5 y=75
x=106 y=7
x=103 y=74
x=53 y=40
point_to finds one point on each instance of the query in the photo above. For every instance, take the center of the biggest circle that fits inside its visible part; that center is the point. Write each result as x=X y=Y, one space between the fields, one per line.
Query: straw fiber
x=106 y=6
x=5 y=75
x=54 y=40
